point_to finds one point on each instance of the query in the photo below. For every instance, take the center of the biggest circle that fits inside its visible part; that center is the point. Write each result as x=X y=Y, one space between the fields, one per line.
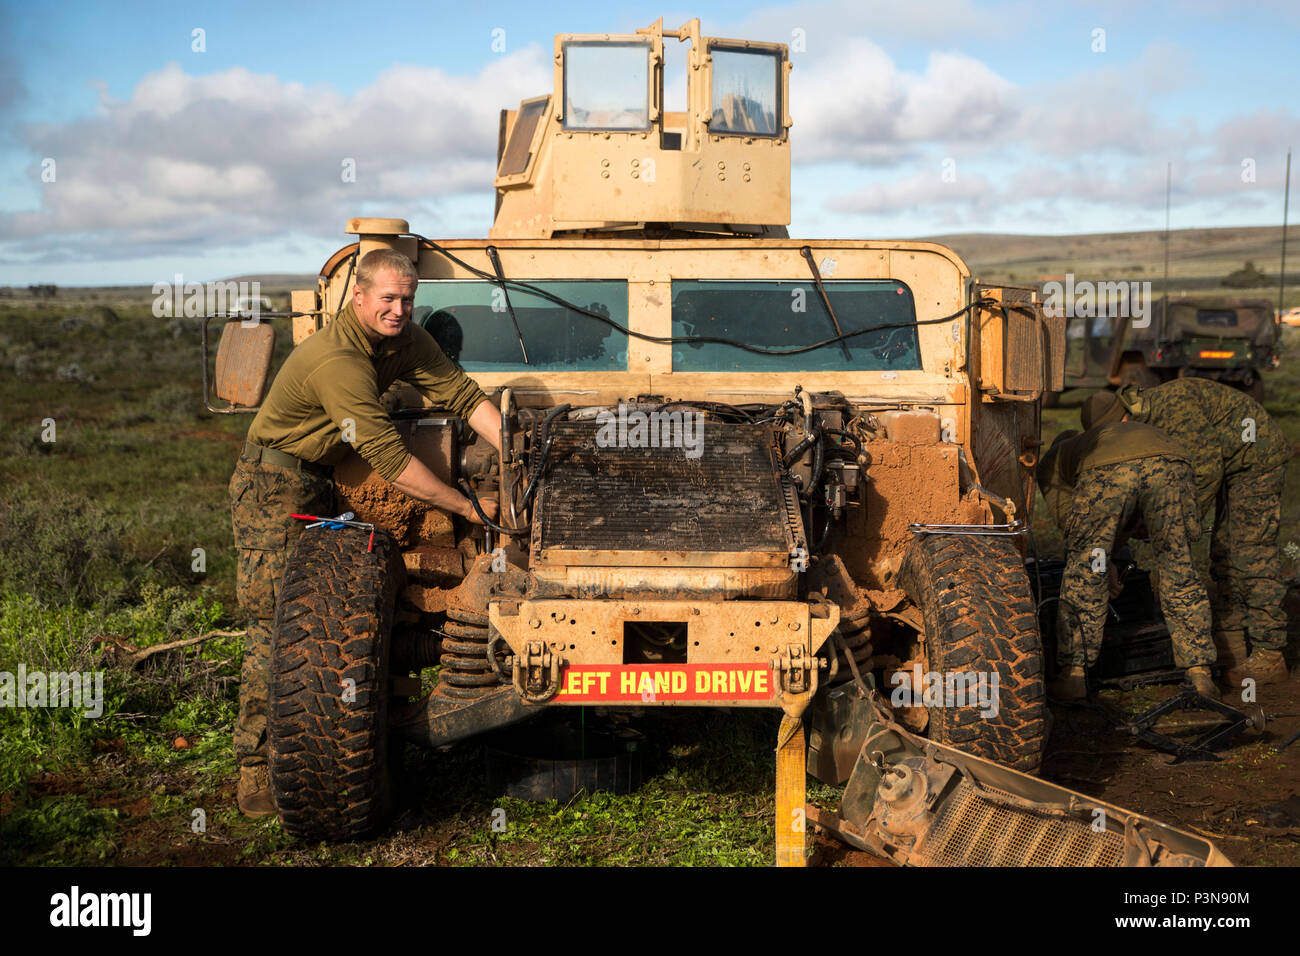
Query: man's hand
x=489 y=507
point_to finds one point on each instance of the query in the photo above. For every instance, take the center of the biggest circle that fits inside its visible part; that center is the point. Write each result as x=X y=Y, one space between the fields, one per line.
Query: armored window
x=469 y=320
x=607 y=86
x=746 y=92
x=778 y=314
x=518 y=149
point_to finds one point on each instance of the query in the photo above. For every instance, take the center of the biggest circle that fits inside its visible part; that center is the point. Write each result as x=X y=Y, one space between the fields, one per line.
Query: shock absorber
x=466 y=671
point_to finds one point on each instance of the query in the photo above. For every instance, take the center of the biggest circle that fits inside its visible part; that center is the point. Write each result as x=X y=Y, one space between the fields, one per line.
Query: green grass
x=97 y=530
x=97 y=533
x=57 y=831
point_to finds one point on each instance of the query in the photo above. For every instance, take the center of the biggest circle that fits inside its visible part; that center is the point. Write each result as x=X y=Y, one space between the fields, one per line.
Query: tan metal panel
x=304 y=325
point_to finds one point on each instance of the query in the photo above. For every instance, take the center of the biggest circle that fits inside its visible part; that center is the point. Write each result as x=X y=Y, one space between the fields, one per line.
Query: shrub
x=1247 y=277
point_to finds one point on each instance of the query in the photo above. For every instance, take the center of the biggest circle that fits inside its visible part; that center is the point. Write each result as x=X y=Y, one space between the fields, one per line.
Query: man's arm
x=352 y=396
x=486 y=420
x=417 y=481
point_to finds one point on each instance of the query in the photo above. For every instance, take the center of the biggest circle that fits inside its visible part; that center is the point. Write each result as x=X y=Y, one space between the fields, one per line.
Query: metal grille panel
x=729 y=501
x=975 y=831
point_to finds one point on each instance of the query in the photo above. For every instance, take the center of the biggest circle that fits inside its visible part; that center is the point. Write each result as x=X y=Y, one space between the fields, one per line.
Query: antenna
x=1164 y=299
x=1286 y=202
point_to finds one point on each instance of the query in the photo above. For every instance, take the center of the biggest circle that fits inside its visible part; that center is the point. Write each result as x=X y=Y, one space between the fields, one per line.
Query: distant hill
x=276 y=281
x=1198 y=258
x=1198 y=261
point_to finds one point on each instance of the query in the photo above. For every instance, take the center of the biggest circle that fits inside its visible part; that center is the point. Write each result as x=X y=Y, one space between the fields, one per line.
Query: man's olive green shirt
x=333 y=381
x=1095 y=448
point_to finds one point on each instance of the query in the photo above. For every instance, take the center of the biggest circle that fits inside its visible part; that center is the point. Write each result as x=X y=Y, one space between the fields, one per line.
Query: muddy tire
x=980 y=616
x=328 y=746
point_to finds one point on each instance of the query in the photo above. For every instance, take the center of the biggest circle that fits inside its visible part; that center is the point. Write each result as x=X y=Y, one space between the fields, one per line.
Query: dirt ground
x=1247 y=803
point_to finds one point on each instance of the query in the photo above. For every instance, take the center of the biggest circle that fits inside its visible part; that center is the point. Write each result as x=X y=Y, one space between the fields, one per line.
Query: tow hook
x=798 y=675
x=537 y=673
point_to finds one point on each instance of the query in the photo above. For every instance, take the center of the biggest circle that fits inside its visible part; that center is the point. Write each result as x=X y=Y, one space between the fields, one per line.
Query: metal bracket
x=495 y=639
x=537 y=673
x=1003 y=530
x=798 y=674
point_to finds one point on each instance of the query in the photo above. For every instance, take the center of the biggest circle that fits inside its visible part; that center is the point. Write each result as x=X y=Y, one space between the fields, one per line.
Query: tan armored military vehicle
x=739 y=470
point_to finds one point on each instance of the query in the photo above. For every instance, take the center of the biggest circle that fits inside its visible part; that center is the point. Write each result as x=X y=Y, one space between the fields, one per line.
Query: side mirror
x=243 y=365
x=1021 y=348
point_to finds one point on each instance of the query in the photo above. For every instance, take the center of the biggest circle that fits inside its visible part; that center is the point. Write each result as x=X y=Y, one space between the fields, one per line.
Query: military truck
x=1230 y=340
x=737 y=470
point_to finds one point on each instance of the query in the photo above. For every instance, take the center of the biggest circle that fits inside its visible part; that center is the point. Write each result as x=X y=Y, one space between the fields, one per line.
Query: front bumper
x=737 y=653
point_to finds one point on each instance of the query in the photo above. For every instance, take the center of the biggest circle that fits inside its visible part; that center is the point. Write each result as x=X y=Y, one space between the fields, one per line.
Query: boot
x=254 y=793
x=1199 y=677
x=1265 y=667
x=1231 y=648
x=1070 y=684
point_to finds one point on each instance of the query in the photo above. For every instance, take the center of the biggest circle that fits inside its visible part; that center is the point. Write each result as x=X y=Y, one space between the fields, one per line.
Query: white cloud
x=236 y=155
x=919 y=190
x=859 y=105
x=189 y=163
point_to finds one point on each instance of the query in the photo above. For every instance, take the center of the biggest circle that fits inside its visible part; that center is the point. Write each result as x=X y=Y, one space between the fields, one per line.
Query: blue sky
x=226 y=161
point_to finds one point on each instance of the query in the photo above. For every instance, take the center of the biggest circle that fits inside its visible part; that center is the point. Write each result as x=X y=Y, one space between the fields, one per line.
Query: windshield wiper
x=496 y=264
x=806 y=252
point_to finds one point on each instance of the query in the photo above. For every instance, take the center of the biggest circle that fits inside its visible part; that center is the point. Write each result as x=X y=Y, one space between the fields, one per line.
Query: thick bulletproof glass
x=781 y=314
x=607 y=86
x=746 y=86
x=519 y=147
x=470 y=321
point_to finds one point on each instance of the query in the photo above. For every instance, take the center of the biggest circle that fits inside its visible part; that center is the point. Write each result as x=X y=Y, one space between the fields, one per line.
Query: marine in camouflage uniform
x=264 y=491
x=1239 y=463
x=1102 y=487
x=324 y=403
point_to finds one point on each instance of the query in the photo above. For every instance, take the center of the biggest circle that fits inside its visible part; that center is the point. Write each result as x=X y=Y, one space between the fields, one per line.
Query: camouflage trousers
x=1108 y=499
x=262 y=496
x=1244 y=561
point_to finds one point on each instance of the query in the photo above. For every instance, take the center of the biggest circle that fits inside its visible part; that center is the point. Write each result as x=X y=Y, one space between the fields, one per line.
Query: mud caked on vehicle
x=738 y=470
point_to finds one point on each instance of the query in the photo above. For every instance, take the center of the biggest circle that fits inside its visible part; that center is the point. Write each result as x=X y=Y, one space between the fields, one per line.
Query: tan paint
x=721 y=583
x=575 y=177
x=585 y=205
x=591 y=631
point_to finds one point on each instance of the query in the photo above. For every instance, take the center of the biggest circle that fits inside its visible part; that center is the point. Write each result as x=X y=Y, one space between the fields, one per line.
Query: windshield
x=781 y=314
x=745 y=88
x=470 y=321
x=607 y=86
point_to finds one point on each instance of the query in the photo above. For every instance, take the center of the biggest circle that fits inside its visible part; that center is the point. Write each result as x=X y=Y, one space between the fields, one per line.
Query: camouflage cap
x=1101 y=408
